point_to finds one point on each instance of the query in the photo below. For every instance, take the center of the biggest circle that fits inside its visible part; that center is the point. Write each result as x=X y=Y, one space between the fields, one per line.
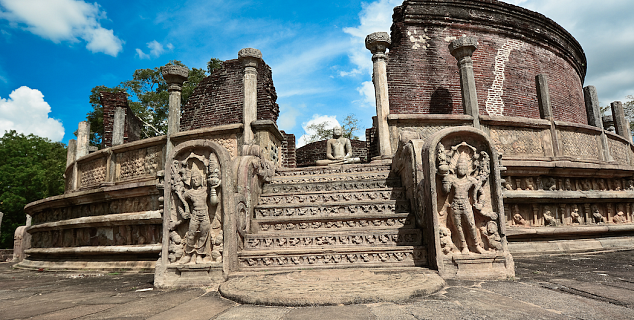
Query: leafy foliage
x=148 y=98
x=323 y=131
x=31 y=168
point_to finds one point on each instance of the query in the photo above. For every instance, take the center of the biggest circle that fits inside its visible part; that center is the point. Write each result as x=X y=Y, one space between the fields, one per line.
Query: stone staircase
x=332 y=217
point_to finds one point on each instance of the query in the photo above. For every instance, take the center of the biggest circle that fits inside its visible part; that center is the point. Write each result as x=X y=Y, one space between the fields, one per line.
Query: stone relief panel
x=467 y=221
x=568 y=214
x=423 y=132
x=92 y=173
x=580 y=145
x=98 y=236
x=332 y=186
x=135 y=204
x=196 y=235
x=334 y=210
x=521 y=141
x=619 y=151
x=333 y=197
x=330 y=170
x=394 y=238
x=139 y=163
x=229 y=142
x=552 y=183
x=405 y=256
x=346 y=224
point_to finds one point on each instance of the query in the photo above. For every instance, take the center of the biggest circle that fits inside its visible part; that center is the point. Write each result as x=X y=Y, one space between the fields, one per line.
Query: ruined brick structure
x=423 y=76
x=218 y=98
x=132 y=127
x=289 y=158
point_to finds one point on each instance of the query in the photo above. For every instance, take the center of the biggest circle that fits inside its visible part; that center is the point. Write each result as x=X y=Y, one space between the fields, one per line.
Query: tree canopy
x=31 y=168
x=148 y=98
x=323 y=131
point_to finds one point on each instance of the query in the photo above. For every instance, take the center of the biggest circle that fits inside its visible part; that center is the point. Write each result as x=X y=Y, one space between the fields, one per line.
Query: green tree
x=148 y=98
x=31 y=168
x=322 y=131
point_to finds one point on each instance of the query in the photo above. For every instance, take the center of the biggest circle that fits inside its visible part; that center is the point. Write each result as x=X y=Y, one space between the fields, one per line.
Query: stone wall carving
x=135 y=204
x=332 y=178
x=520 y=141
x=92 y=172
x=333 y=186
x=620 y=151
x=553 y=183
x=352 y=224
x=406 y=256
x=330 y=170
x=333 y=197
x=98 y=236
x=196 y=235
x=138 y=163
x=580 y=145
x=393 y=238
x=334 y=210
x=229 y=142
x=562 y=214
x=423 y=132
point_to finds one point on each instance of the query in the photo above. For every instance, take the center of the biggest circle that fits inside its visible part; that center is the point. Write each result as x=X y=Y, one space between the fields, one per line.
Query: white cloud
x=366 y=90
x=25 y=111
x=288 y=117
x=330 y=121
x=141 y=54
x=605 y=31
x=374 y=17
x=63 y=20
x=156 y=49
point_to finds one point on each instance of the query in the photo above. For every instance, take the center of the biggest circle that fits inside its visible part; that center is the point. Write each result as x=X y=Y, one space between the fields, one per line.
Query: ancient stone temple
x=485 y=144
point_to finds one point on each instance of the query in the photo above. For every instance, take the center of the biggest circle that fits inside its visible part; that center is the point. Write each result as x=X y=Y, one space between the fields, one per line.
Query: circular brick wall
x=515 y=45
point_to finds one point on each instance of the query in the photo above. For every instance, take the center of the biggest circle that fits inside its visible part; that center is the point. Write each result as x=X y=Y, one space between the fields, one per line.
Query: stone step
x=403 y=256
x=381 y=175
x=353 y=208
x=332 y=196
x=310 y=224
x=339 y=185
x=330 y=170
x=327 y=240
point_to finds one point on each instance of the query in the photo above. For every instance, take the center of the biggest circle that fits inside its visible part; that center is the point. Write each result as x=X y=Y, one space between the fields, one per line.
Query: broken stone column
x=83 y=139
x=462 y=49
x=545 y=108
x=174 y=76
x=70 y=152
x=621 y=124
x=377 y=43
x=118 y=128
x=250 y=58
x=593 y=110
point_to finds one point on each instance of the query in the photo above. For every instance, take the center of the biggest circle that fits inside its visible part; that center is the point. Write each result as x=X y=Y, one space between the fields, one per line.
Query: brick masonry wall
x=371 y=143
x=218 y=99
x=132 y=128
x=288 y=150
x=423 y=75
x=308 y=154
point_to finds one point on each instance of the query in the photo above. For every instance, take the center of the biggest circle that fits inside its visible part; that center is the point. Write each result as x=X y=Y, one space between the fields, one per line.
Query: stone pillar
x=174 y=76
x=83 y=139
x=70 y=152
x=546 y=109
x=593 y=110
x=377 y=43
x=250 y=58
x=621 y=124
x=118 y=127
x=462 y=49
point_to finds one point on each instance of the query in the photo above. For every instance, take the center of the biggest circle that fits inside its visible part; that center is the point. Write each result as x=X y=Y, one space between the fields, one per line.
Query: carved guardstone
x=197 y=197
x=463 y=203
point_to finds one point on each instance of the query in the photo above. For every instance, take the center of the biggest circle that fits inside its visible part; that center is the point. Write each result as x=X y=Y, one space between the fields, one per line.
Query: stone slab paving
x=567 y=286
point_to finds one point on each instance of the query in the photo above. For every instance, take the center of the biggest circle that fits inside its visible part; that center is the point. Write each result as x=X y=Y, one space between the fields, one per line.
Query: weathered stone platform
x=333 y=286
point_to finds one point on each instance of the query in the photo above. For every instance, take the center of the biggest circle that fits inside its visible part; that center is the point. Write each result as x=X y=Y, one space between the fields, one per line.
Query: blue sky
x=55 y=51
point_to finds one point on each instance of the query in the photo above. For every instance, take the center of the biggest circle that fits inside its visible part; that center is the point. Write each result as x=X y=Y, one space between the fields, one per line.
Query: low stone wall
x=307 y=155
x=110 y=216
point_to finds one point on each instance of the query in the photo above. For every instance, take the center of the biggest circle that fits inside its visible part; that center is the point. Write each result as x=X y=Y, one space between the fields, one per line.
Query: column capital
x=463 y=47
x=249 y=57
x=377 y=43
x=175 y=76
